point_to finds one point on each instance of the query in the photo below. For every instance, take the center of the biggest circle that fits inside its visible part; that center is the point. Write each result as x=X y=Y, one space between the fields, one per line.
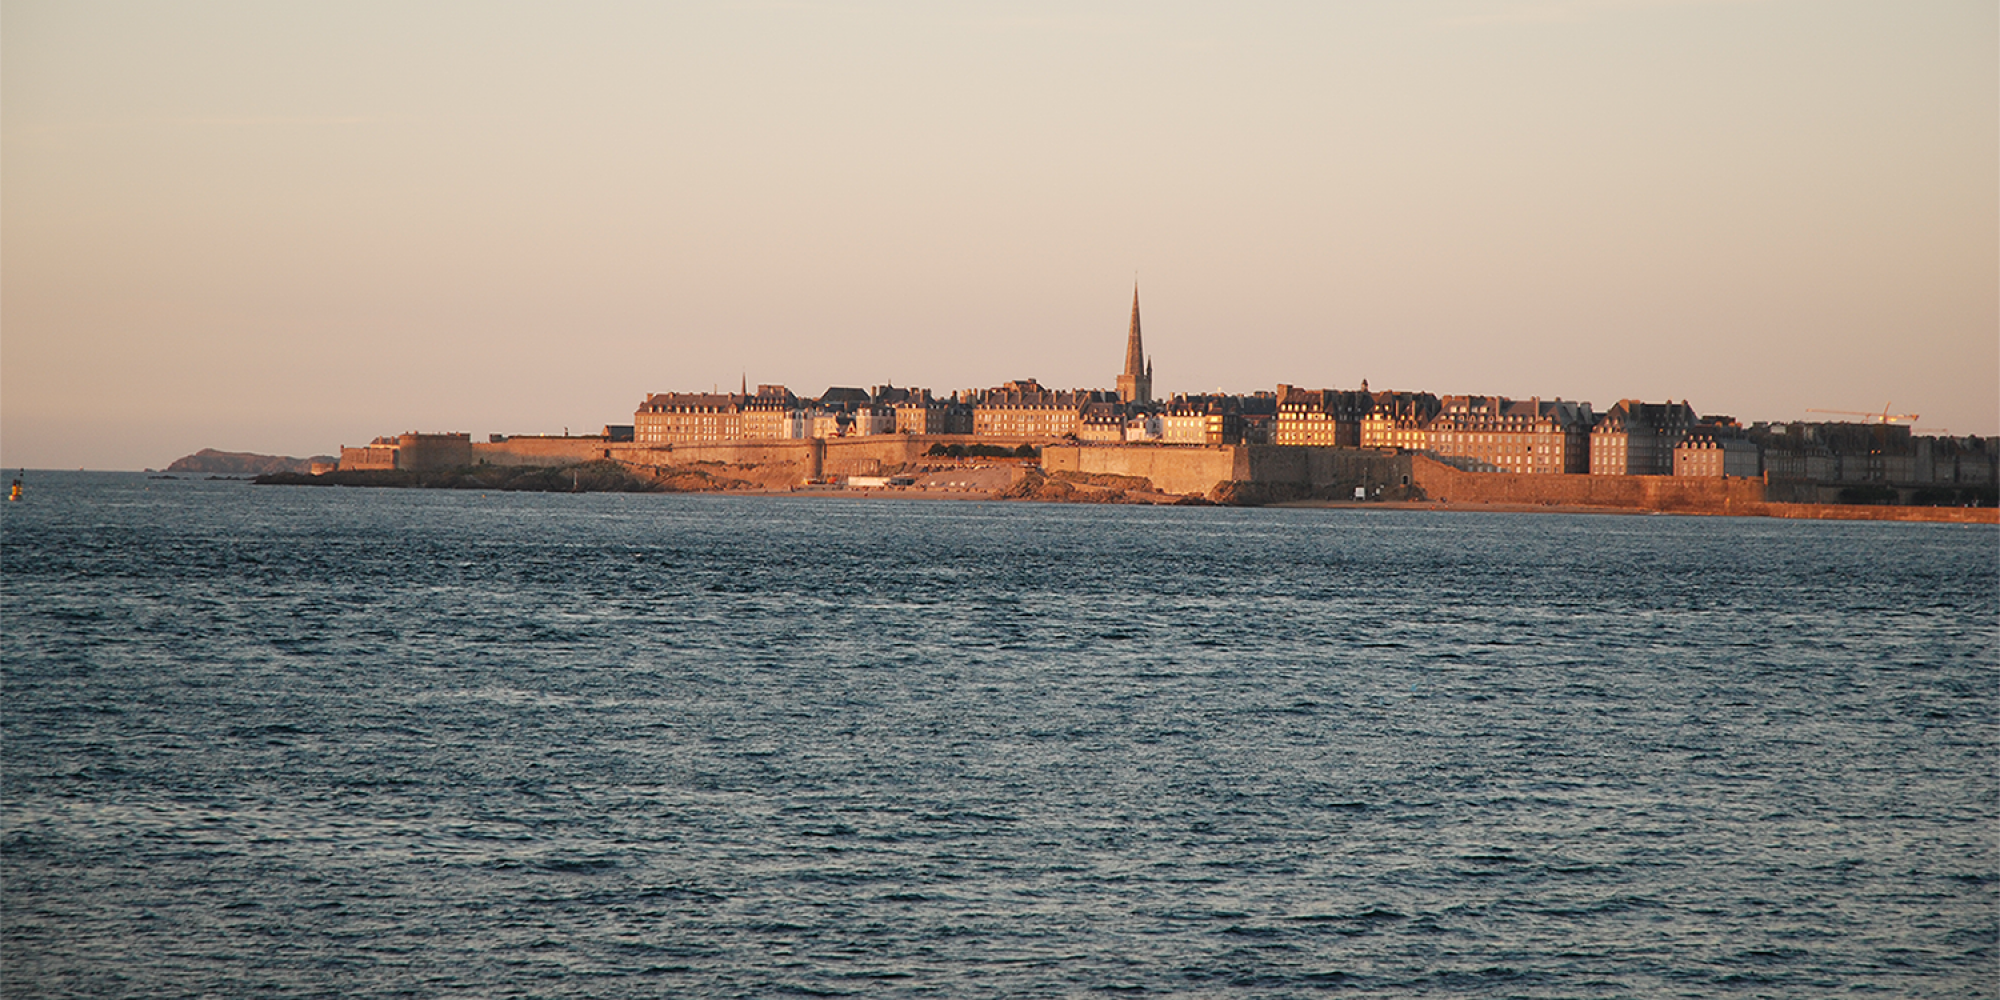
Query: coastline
x=1785 y=511
x=989 y=484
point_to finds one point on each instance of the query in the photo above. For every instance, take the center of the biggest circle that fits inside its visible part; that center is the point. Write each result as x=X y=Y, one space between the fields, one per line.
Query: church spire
x=1136 y=384
x=1135 y=348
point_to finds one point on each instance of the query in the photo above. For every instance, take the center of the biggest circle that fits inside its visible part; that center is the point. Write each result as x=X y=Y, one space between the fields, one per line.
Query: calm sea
x=287 y=742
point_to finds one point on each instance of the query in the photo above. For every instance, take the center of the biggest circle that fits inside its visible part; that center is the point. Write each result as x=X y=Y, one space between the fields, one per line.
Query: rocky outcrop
x=1070 y=487
x=243 y=463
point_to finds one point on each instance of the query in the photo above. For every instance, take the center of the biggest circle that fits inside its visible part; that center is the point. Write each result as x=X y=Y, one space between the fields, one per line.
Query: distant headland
x=1285 y=445
x=243 y=463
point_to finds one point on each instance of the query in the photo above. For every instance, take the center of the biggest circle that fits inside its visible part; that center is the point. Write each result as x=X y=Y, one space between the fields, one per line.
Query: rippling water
x=281 y=742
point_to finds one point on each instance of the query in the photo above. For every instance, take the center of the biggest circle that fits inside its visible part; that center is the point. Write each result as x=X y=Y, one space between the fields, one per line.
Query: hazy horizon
x=281 y=228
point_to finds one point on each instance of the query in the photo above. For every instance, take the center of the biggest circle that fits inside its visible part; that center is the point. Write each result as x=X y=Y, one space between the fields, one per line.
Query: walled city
x=1286 y=443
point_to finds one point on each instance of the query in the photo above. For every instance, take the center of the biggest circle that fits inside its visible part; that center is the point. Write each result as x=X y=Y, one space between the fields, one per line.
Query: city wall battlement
x=1182 y=469
x=1244 y=473
x=814 y=457
x=1199 y=469
x=537 y=450
x=1689 y=494
x=1732 y=496
x=1874 y=512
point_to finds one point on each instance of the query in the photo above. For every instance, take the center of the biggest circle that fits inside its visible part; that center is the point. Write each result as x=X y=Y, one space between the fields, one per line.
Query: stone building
x=918 y=412
x=1023 y=409
x=1144 y=426
x=771 y=414
x=1495 y=434
x=1715 y=449
x=1325 y=417
x=1832 y=452
x=1260 y=418
x=1873 y=453
x=774 y=413
x=1102 y=423
x=689 y=418
x=1638 y=439
x=1967 y=460
x=410 y=452
x=1202 y=419
x=848 y=412
x=375 y=456
x=874 y=418
x=1398 y=420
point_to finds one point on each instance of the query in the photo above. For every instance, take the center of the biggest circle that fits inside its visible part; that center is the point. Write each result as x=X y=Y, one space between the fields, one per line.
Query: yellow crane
x=1887 y=419
x=1884 y=417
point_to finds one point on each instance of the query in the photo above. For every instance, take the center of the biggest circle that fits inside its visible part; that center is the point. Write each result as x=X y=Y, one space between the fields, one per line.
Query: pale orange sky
x=281 y=227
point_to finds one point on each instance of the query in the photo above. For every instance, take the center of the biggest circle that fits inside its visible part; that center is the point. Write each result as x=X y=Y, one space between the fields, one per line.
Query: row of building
x=1478 y=433
x=1475 y=433
x=1488 y=433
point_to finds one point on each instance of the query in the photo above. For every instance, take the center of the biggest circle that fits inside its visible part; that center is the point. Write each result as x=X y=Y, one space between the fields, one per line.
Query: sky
x=284 y=227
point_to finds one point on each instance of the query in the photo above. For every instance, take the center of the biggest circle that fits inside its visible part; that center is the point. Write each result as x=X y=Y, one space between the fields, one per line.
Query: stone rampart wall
x=884 y=449
x=1670 y=493
x=747 y=452
x=863 y=455
x=1172 y=468
x=1201 y=468
x=1871 y=512
x=545 y=451
x=1323 y=468
x=368 y=458
x=431 y=452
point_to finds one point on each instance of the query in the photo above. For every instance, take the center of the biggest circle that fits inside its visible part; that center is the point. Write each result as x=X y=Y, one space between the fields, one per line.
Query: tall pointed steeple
x=1135 y=348
x=1136 y=384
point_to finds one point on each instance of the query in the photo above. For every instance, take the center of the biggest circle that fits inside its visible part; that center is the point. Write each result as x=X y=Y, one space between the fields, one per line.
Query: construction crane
x=1884 y=417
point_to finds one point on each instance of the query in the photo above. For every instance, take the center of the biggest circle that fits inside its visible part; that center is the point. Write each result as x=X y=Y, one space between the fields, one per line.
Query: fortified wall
x=865 y=455
x=1335 y=471
x=1689 y=494
x=411 y=451
x=545 y=450
x=1199 y=469
x=1321 y=469
x=1172 y=468
x=814 y=458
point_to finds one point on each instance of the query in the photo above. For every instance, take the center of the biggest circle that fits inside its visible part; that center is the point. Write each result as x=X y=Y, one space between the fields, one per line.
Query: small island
x=209 y=461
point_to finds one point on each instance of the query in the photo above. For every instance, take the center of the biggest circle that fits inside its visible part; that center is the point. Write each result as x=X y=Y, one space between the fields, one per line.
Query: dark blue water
x=282 y=742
